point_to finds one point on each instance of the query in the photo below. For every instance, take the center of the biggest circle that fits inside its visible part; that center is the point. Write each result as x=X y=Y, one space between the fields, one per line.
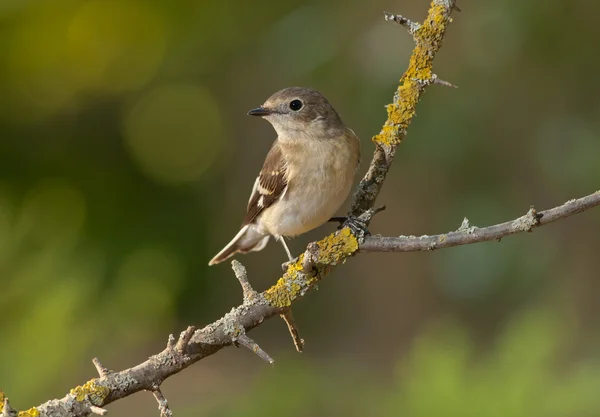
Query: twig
x=102 y=370
x=291 y=325
x=163 y=404
x=184 y=339
x=468 y=234
x=411 y=26
x=253 y=346
x=240 y=273
x=437 y=80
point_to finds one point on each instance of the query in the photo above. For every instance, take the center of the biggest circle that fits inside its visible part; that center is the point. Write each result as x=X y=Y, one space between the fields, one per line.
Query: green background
x=126 y=161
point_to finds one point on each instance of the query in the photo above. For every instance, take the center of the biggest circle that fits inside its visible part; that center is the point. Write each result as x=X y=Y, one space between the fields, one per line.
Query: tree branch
x=467 y=234
x=428 y=38
x=307 y=270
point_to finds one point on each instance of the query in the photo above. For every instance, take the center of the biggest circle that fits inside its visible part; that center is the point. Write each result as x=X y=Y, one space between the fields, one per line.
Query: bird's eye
x=295 y=105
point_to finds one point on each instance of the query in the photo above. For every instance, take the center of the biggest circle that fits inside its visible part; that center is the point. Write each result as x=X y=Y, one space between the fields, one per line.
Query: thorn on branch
x=184 y=339
x=8 y=411
x=253 y=346
x=436 y=80
x=291 y=324
x=163 y=404
x=171 y=341
x=102 y=370
x=98 y=410
x=240 y=273
x=411 y=26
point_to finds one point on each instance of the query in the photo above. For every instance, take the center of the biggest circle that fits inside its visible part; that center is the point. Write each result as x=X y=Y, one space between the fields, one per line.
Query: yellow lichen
x=335 y=248
x=332 y=250
x=32 y=412
x=287 y=288
x=95 y=392
x=419 y=71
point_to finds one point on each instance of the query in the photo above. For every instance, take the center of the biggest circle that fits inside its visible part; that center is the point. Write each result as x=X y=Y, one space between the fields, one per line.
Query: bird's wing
x=270 y=185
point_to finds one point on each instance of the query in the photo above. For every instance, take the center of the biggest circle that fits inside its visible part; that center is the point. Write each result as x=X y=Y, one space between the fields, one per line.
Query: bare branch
x=467 y=234
x=253 y=347
x=411 y=26
x=437 y=80
x=163 y=404
x=288 y=317
x=240 y=273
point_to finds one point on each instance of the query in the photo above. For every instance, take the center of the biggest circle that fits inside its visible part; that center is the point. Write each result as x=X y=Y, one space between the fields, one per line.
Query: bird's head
x=298 y=112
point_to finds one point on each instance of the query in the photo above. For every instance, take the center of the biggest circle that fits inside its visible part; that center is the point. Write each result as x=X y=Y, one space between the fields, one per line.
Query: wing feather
x=270 y=185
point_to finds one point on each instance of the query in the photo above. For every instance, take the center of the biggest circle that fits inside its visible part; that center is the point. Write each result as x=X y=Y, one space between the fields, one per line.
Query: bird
x=306 y=176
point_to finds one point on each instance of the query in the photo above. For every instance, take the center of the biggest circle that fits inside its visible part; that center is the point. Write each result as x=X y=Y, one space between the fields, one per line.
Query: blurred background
x=126 y=161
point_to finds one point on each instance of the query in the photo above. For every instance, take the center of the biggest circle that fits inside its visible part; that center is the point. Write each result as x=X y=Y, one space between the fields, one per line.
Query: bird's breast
x=320 y=176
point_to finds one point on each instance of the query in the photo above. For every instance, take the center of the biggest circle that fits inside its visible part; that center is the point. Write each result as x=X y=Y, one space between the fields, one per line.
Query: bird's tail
x=248 y=239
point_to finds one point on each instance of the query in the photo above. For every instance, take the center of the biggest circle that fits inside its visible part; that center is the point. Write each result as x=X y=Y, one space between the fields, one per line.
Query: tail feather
x=248 y=239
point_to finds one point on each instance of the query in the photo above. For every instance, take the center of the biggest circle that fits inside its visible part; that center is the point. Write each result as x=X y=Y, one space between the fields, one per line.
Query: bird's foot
x=358 y=225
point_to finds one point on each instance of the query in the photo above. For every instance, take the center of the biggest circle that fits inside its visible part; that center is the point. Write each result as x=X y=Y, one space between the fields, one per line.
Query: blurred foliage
x=443 y=374
x=126 y=162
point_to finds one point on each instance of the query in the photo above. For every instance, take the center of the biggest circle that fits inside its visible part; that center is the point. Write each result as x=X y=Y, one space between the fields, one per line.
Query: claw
x=357 y=226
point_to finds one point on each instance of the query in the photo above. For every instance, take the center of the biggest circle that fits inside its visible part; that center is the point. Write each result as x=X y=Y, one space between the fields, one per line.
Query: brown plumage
x=269 y=186
x=306 y=175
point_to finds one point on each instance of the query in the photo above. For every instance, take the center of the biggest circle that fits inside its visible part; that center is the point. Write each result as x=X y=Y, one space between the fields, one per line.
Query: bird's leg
x=285 y=265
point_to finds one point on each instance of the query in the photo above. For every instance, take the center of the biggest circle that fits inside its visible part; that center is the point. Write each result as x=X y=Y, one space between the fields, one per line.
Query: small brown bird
x=306 y=176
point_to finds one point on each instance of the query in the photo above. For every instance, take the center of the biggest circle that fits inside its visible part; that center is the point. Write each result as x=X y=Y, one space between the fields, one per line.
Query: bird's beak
x=260 y=111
